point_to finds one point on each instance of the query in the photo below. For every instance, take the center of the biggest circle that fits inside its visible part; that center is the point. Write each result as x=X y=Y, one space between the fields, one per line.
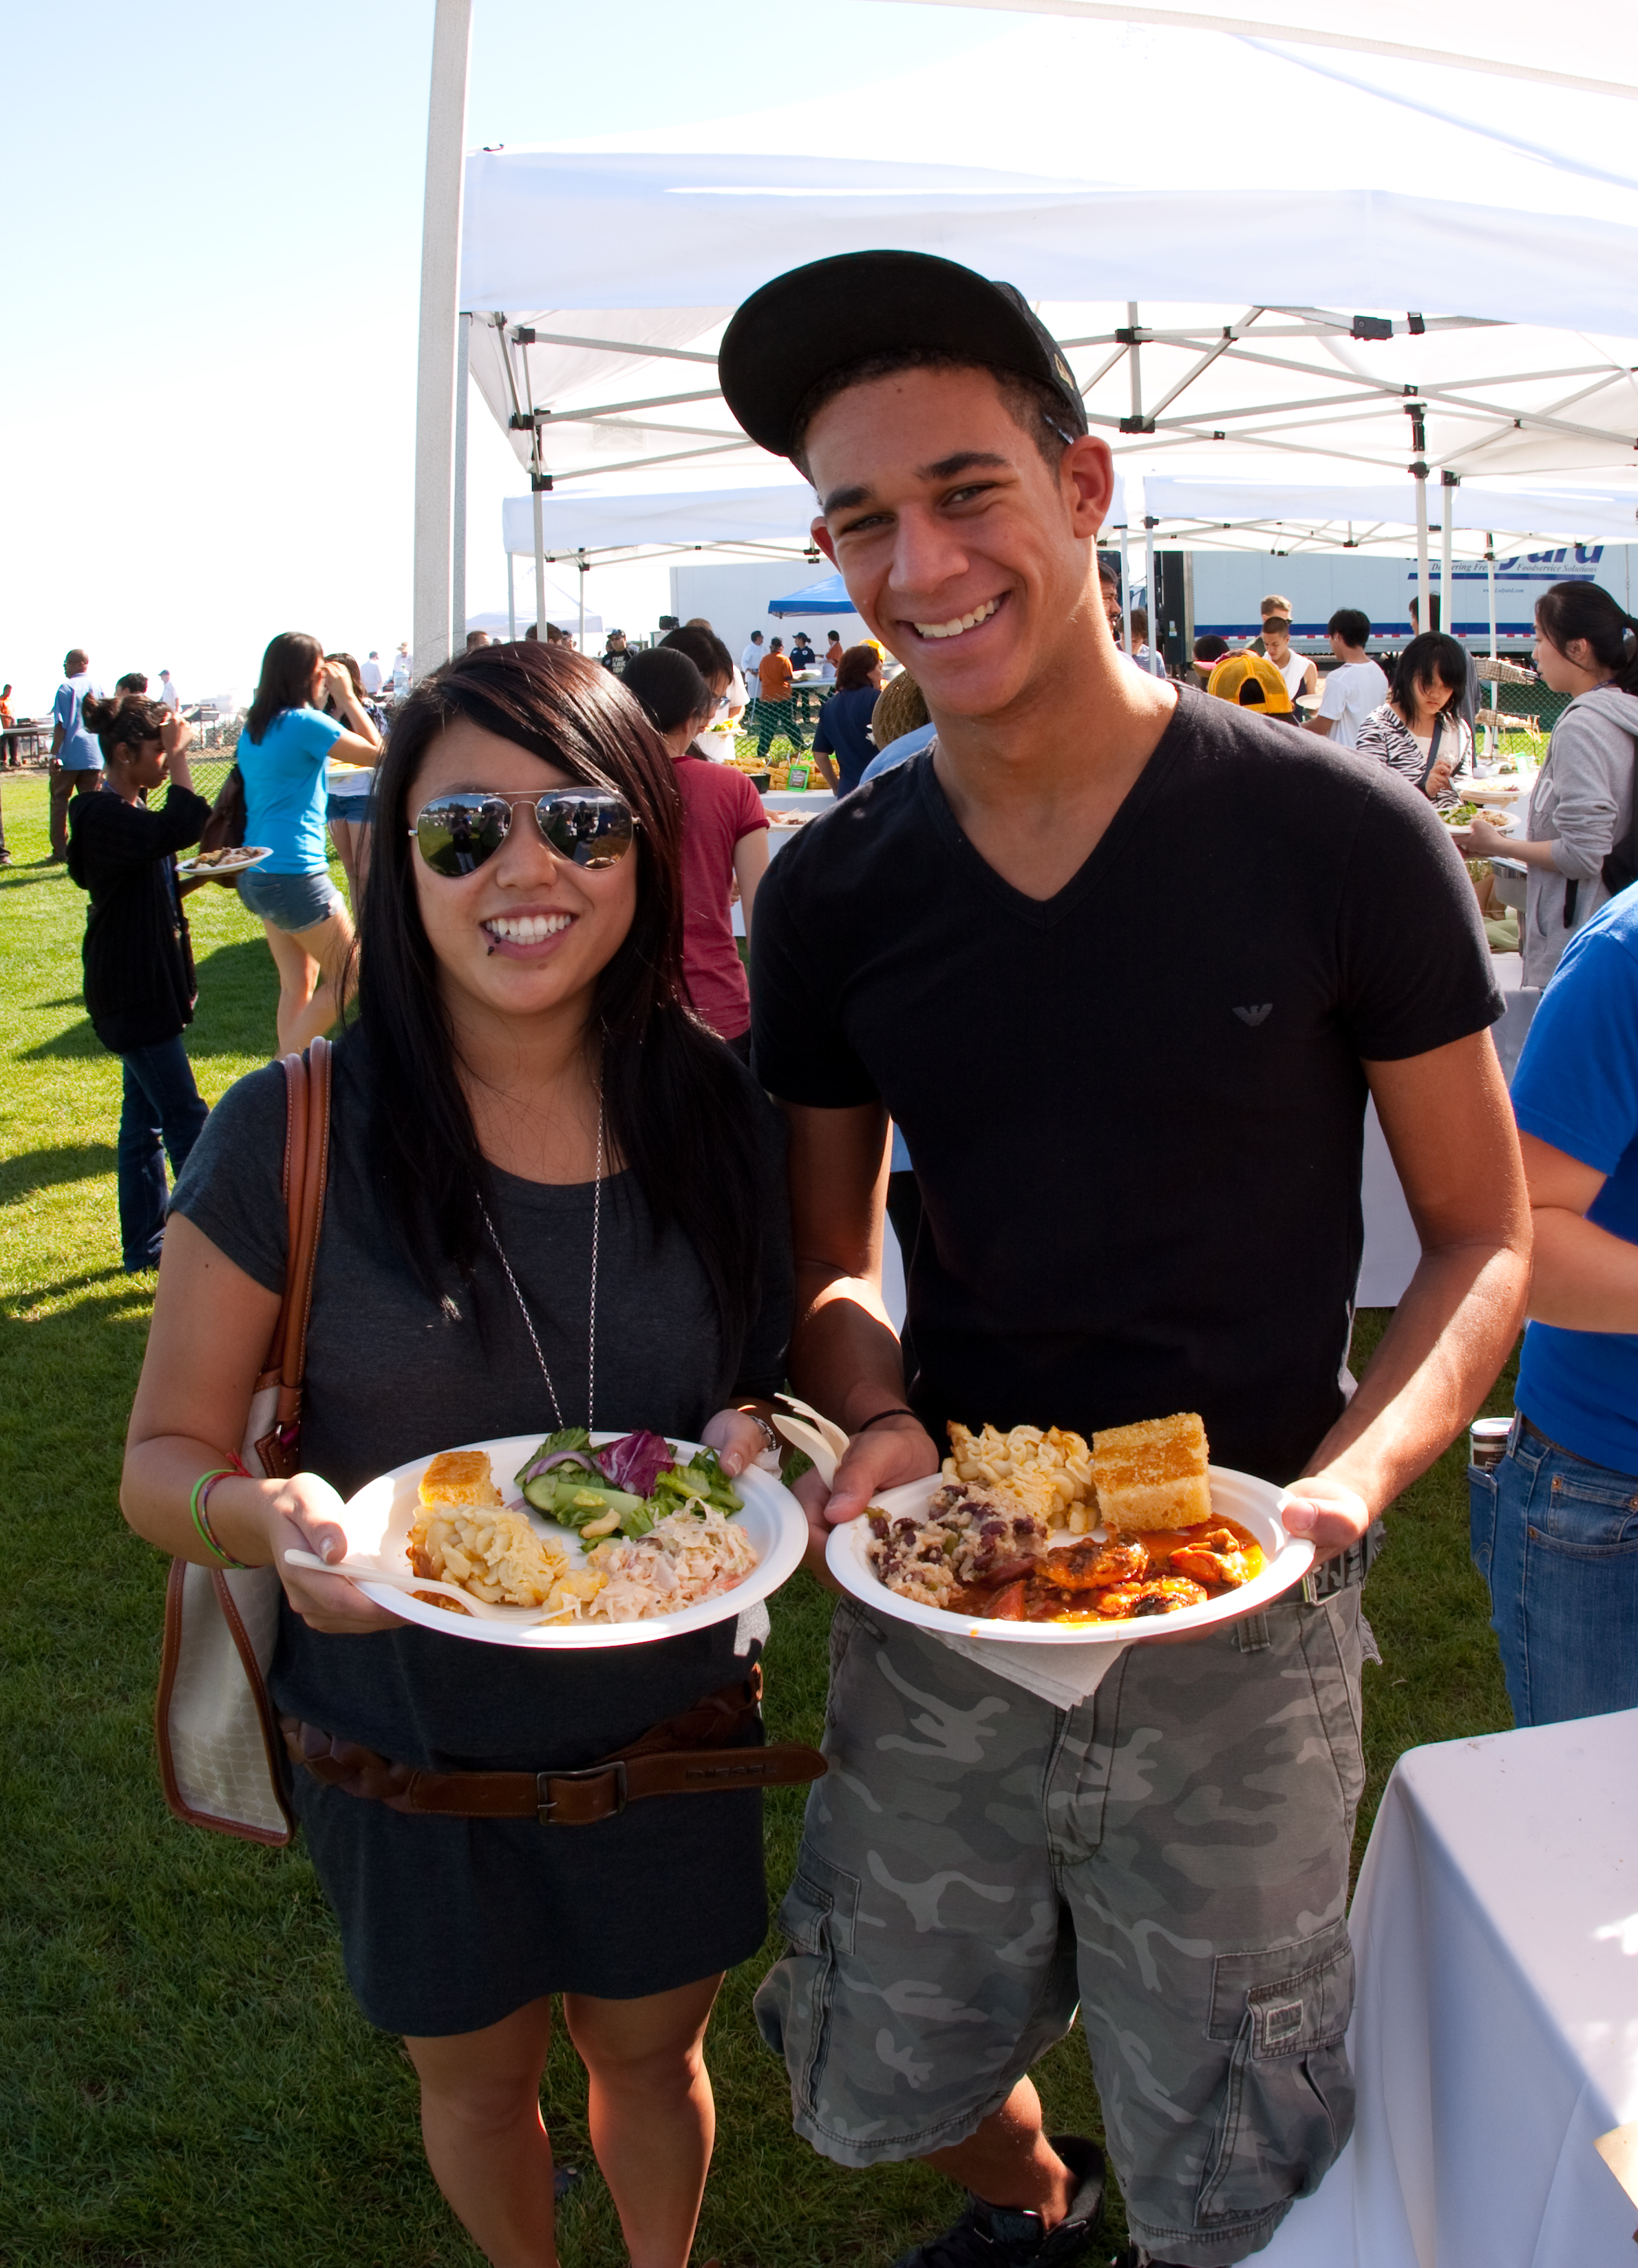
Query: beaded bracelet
x=201 y=1497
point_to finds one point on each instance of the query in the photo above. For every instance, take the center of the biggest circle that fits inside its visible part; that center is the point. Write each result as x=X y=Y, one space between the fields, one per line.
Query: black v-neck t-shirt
x=1136 y=1109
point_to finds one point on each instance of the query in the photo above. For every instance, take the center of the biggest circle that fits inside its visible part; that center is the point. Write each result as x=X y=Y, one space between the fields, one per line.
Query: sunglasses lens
x=458 y=833
x=592 y=828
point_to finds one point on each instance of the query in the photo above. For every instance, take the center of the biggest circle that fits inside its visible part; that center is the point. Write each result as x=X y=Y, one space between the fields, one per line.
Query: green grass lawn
x=183 y=2077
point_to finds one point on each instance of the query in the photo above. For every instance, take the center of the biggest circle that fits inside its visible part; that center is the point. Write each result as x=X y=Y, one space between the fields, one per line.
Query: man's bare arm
x=1585 y=1279
x=1450 y=1129
x=1320 y=725
x=845 y=1357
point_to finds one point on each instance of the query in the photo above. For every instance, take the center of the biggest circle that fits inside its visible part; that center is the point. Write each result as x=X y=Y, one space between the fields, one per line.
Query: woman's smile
x=526 y=936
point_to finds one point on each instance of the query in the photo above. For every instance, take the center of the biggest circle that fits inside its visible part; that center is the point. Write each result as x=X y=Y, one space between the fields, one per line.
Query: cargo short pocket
x=794 y=2003
x=1332 y=1648
x=1286 y=2102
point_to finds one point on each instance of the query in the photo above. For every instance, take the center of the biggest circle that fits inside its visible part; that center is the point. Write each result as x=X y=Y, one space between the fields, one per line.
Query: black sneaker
x=1005 y=2237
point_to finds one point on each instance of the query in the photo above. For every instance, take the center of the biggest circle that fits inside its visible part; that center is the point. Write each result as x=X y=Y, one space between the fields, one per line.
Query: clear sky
x=208 y=284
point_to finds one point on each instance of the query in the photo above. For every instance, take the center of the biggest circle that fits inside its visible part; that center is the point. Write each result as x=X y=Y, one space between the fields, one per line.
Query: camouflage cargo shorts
x=1172 y=1855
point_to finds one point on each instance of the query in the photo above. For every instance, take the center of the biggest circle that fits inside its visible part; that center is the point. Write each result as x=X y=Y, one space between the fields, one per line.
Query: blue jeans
x=1556 y=1539
x=162 y=1112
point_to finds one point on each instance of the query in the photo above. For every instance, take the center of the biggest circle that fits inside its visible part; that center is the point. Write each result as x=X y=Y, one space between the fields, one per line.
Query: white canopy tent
x=1595 y=42
x=1257 y=515
x=1506 y=223
x=769 y=522
x=1475 y=525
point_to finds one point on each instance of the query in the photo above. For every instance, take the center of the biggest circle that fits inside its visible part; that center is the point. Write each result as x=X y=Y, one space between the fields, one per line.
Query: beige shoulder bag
x=221 y=1754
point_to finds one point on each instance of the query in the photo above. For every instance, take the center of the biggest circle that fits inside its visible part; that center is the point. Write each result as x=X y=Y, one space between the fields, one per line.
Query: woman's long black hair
x=1569 y=611
x=675 y=1098
x=1432 y=659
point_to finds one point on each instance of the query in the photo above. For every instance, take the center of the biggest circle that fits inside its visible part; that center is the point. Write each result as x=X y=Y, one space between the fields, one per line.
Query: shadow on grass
x=236 y=984
x=48 y=1169
x=21 y=1306
x=77 y=1041
x=39 y=870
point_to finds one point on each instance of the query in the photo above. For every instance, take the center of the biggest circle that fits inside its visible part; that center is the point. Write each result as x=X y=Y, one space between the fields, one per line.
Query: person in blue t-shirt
x=843 y=728
x=283 y=758
x=76 y=759
x=1555 y=1523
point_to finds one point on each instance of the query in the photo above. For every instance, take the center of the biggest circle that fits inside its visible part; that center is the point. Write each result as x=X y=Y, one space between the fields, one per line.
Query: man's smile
x=960 y=623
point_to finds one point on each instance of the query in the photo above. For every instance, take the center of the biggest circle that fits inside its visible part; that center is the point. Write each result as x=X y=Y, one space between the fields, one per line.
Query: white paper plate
x=236 y=861
x=378 y=1520
x=1255 y=1503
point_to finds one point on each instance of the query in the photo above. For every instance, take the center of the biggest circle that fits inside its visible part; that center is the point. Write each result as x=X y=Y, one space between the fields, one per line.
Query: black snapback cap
x=812 y=320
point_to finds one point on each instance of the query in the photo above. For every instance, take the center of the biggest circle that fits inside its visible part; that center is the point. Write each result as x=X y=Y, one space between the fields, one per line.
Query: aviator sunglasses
x=587 y=826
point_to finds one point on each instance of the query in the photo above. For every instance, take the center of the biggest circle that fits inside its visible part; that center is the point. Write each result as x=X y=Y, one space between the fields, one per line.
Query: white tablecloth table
x=1495 y=2030
x=1392 y=1248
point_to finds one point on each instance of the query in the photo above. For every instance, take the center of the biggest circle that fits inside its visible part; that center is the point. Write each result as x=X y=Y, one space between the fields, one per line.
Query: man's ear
x=1089 y=471
x=821 y=535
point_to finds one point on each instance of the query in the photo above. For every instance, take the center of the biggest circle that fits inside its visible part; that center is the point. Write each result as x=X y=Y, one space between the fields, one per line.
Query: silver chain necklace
x=591 y=1328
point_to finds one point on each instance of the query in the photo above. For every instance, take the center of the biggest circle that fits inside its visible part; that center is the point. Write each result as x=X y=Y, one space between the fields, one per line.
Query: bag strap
x=1433 y=750
x=306 y=1215
x=306 y=1170
x=292 y=1177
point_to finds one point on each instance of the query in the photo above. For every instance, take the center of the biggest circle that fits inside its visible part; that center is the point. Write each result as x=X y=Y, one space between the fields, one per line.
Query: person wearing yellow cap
x=1251 y=681
x=1123 y=964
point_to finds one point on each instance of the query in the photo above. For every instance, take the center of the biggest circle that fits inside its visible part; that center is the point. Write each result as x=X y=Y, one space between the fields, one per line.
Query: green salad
x=623 y=1488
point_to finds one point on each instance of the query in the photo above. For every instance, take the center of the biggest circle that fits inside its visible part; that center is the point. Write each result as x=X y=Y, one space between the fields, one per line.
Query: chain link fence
x=210 y=756
x=1521 y=717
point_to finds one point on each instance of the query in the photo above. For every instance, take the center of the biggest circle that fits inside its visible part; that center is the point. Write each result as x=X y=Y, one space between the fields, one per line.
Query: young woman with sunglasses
x=554 y=1199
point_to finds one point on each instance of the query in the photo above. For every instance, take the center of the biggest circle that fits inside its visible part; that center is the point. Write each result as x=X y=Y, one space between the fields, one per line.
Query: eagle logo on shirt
x=1255 y=1016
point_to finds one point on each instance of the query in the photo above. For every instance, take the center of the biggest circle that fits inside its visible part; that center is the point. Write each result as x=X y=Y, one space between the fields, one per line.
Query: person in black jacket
x=139 y=962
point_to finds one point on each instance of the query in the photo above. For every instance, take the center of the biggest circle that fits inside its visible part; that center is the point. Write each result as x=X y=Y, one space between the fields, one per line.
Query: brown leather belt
x=687 y=1755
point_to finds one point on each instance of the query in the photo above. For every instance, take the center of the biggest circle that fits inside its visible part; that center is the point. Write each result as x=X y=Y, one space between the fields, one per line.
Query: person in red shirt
x=725 y=841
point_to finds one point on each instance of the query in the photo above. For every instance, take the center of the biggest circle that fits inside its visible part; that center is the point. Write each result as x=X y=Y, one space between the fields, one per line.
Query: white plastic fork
x=370 y=1571
x=824 y=1441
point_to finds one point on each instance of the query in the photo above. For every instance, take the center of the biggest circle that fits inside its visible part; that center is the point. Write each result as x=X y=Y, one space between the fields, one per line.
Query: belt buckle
x=546 y=1806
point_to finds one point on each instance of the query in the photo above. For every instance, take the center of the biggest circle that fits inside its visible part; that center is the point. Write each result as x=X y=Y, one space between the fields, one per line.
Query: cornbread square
x=1153 y=1474
x=459 y=1476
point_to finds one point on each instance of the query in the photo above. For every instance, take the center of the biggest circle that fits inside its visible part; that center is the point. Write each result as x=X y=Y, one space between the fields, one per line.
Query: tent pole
x=585 y=571
x=1126 y=583
x=511 y=599
x=1156 y=667
x=1490 y=576
x=458 y=531
x=1449 y=484
x=435 y=357
x=1424 y=612
x=1495 y=685
x=540 y=562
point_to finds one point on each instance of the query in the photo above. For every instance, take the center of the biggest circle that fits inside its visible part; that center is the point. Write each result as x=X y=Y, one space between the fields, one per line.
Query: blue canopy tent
x=829 y=597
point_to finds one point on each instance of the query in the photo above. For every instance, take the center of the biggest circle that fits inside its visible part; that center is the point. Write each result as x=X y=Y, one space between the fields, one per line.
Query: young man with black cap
x=1123 y=964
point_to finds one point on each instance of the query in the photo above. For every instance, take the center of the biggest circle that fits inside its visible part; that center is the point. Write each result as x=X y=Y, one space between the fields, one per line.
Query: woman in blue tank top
x=282 y=757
